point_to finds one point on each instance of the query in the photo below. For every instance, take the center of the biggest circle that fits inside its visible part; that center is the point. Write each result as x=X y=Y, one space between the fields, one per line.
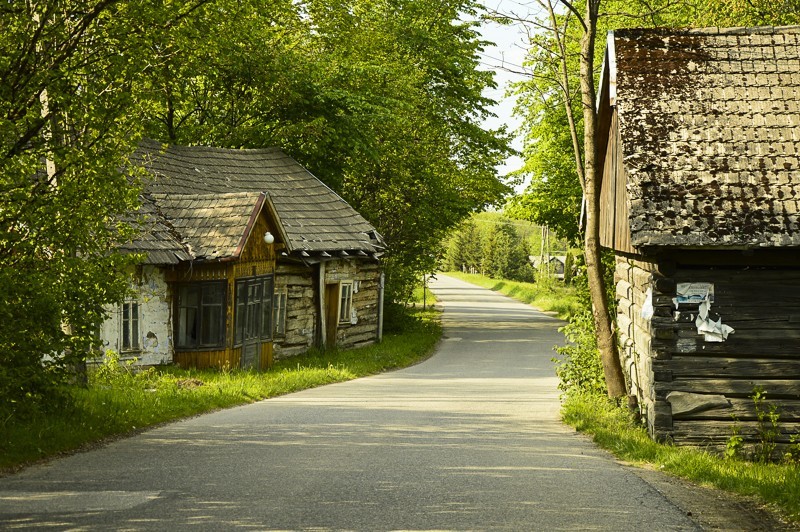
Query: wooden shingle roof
x=213 y=226
x=156 y=239
x=709 y=123
x=313 y=220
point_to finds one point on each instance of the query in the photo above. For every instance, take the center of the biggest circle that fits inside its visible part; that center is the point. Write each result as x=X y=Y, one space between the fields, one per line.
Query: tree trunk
x=606 y=341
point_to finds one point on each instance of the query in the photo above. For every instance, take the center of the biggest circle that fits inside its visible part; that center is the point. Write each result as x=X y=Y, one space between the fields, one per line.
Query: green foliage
x=768 y=427
x=490 y=245
x=732 y=13
x=381 y=100
x=734 y=447
x=67 y=92
x=578 y=366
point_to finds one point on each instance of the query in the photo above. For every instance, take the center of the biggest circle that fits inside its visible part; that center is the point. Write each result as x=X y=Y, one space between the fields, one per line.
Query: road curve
x=468 y=440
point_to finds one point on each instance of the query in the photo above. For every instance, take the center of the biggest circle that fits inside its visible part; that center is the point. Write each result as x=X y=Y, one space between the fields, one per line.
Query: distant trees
x=491 y=246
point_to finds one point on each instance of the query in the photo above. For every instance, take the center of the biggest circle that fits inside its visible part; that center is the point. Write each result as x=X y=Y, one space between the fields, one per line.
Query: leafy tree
x=381 y=100
x=67 y=72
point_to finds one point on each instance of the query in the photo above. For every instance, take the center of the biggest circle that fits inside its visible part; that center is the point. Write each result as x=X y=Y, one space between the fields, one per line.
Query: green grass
x=611 y=427
x=120 y=401
x=551 y=296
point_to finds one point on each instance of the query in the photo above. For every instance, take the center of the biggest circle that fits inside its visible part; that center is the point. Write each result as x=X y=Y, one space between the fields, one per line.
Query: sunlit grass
x=119 y=400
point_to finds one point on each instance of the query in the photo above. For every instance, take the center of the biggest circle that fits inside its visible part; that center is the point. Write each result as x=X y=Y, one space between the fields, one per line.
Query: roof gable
x=313 y=219
x=213 y=226
x=709 y=125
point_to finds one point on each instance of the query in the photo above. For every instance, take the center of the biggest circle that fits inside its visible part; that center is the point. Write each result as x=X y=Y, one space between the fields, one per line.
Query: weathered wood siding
x=365 y=300
x=302 y=305
x=301 y=309
x=666 y=355
x=257 y=258
x=614 y=228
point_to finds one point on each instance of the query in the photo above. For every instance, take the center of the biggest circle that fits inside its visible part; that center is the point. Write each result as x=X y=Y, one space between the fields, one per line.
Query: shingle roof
x=313 y=219
x=213 y=226
x=709 y=122
x=156 y=238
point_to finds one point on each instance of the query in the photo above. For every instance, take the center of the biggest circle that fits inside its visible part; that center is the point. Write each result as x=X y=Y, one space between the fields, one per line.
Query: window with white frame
x=129 y=324
x=345 y=301
x=279 y=311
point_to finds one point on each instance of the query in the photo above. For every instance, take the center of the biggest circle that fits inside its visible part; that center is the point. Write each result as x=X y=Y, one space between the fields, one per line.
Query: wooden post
x=322 y=333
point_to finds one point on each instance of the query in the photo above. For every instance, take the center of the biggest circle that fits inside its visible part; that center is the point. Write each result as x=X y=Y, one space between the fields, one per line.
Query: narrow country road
x=468 y=440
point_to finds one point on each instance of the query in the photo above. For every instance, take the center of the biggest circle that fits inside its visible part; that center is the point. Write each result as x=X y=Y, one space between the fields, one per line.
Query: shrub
x=579 y=367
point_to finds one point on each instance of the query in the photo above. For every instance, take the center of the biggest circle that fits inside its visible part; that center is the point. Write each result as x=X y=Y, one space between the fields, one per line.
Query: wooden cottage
x=700 y=200
x=247 y=256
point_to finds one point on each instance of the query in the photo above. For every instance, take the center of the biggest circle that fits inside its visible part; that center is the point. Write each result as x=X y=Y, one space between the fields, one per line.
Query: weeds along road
x=468 y=440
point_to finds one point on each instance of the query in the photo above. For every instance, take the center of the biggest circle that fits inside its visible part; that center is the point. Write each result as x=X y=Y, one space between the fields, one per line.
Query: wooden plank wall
x=365 y=301
x=614 y=226
x=301 y=309
x=761 y=304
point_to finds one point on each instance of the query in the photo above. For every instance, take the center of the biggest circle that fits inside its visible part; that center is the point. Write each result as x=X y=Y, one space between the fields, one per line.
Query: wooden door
x=253 y=317
x=331 y=314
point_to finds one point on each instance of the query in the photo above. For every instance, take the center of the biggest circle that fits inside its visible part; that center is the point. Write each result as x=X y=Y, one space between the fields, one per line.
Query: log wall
x=365 y=301
x=301 y=309
x=691 y=390
x=302 y=305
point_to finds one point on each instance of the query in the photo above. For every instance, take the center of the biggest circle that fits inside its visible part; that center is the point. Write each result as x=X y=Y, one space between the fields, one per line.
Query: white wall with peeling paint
x=155 y=321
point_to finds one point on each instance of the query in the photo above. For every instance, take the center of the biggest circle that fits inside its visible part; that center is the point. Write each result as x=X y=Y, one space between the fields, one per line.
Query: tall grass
x=613 y=428
x=547 y=294
x=121 y=400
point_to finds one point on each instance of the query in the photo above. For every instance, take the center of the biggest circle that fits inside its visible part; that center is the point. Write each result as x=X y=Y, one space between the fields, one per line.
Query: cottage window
x=201 y=315
x=345 y=301
x=253 y=309
x=130 y=326
x=279 y=312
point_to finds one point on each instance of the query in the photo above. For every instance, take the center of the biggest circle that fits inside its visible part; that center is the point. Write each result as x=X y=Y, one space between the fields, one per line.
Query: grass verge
x=120 y=401
x=551 y=296
x=611 y=427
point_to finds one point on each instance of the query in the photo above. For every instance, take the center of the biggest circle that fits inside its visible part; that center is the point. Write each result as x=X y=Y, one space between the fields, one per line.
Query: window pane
x=213 y=293
x=126 y=329
x=266 y=309
x=212 y=318
x=344 y=309
x=188 y=296
x=129 y=326
x=241 y=302
x=134 y=311
x=187 y=327
x=212 y=315
x=279 y=313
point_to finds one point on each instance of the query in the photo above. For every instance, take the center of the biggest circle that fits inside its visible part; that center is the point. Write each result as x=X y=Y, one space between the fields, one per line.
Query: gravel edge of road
x=711 y=508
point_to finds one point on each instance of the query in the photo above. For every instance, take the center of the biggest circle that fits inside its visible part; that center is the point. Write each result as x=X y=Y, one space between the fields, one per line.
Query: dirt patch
x=714 y=509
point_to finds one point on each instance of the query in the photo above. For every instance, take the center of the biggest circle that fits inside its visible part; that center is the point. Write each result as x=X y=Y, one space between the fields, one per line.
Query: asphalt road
x=468 y=440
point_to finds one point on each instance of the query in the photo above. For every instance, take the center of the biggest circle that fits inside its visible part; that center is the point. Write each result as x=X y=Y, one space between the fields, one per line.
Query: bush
x=579 y=367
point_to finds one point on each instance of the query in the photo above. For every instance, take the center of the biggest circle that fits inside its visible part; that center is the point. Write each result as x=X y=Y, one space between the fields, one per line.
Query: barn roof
x=204 y=194
x=709 y=123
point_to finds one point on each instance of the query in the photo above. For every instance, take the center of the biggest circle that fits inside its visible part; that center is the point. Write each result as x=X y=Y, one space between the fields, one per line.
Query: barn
x=700 y=141
x=246 y=257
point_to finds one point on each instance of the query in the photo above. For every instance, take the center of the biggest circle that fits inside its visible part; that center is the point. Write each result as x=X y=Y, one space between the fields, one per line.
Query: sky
x=505 y=59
